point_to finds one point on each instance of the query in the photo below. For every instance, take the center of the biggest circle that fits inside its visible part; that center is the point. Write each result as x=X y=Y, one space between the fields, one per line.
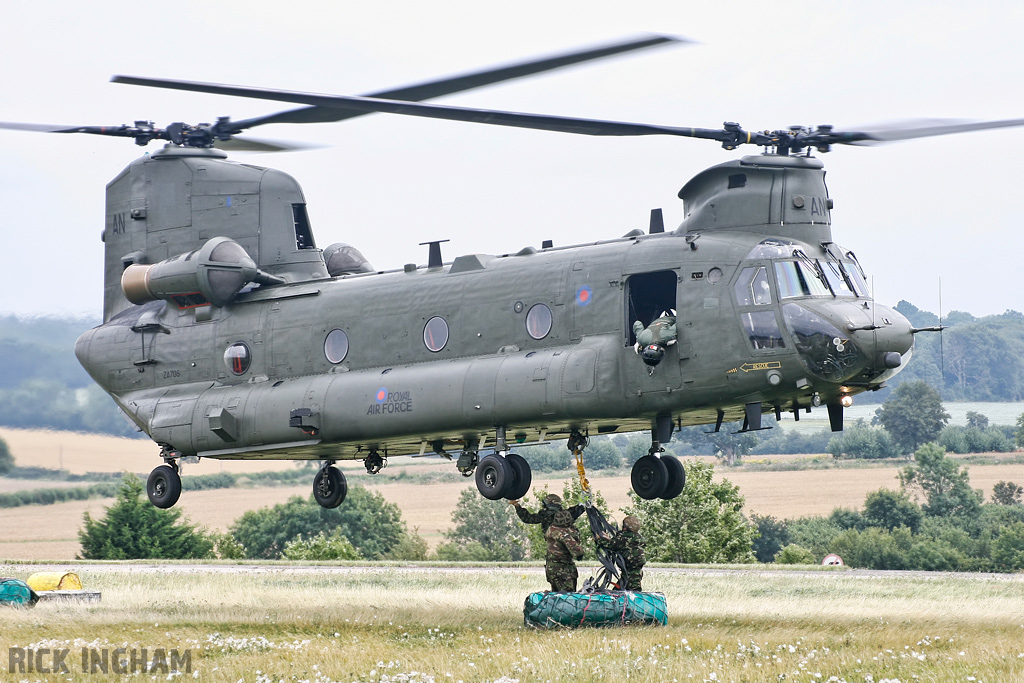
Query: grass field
x=51 y=531
x=390 y=624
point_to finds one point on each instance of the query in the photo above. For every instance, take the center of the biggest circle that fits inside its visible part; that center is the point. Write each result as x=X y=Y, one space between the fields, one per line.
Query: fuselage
x=539 y=342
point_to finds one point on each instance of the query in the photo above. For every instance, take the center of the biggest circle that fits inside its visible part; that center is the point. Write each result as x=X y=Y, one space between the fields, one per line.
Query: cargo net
x=608 y=608
x=612 y=574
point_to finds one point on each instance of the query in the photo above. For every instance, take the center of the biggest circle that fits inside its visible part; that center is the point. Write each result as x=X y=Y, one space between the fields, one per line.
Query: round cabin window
x=336 y=346
x=238 y=358
x=435 y=333
x=538 y=321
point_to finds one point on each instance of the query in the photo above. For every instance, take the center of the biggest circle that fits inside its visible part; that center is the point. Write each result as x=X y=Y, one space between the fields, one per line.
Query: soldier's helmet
x=631 y=523
x=562 y=518
x=652 y=354
x=552 y=499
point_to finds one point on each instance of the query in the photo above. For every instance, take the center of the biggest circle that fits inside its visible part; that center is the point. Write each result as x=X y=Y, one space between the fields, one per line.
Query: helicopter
x=229 y=334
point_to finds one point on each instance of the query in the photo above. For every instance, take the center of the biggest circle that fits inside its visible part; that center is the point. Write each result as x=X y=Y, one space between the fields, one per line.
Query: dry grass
x=405 y=624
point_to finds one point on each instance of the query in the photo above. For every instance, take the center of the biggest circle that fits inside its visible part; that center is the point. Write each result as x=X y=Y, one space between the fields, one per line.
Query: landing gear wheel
x=163 y=486
x=492 y=475
x=329 y=487
x=676 y=477
x=649 y=477
x=523 y=476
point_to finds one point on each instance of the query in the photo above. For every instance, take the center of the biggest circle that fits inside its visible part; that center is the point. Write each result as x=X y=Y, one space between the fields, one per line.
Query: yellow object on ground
x=52 y=581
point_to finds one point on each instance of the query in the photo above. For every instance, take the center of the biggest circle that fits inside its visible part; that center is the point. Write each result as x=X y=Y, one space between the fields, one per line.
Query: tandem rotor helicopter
x=229 y=334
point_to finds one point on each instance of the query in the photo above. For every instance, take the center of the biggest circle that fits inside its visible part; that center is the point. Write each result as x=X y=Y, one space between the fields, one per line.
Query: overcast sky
x=914 y=212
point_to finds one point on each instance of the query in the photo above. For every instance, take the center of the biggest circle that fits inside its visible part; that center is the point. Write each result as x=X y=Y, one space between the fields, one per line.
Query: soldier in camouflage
x=564 y=548
x=546 y=514
x=630 y=545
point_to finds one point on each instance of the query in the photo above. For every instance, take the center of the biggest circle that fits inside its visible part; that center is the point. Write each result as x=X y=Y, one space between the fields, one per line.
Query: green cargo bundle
x=16 y=592
x=601 y=608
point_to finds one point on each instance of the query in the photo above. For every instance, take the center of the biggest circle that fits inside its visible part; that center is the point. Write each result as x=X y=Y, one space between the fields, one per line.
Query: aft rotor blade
x=911 y=130
x=460 y=83
x=562 y=124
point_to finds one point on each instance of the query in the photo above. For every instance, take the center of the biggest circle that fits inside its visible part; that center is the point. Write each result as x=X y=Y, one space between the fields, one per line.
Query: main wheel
x=163 y=486
x=492 y=475
x=329 y=487
x=649 y=477
x=523 y=478
x=676 y=477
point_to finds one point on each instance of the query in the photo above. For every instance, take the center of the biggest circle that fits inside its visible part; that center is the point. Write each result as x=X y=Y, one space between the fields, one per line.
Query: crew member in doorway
x=653 y=339
x=564 y=548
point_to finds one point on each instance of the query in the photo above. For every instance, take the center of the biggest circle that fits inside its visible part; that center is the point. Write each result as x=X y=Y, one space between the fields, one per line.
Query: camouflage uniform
x=545 y=516
x=630 y=545
x=563 y=549
x=660 y=331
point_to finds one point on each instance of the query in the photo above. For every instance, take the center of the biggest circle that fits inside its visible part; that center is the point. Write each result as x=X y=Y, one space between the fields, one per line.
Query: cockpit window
x=855 y=278
x=837 y=278
x=762 y=330
x=752 y=288
x=799 y=278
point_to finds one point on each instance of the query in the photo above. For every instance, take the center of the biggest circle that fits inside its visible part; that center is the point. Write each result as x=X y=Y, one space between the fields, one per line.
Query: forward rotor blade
x=469 y=81
x=118 y=131
x=563 y=124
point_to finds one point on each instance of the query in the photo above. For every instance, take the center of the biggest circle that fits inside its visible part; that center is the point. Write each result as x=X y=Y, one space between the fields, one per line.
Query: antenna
x=942 y=355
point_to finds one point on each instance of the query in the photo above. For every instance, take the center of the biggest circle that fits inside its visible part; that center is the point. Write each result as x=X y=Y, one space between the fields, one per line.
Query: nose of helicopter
x=883 y=334
x=845 y=340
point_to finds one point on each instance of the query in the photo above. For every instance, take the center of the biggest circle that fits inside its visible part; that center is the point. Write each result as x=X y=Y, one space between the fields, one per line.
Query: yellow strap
x=584 y=484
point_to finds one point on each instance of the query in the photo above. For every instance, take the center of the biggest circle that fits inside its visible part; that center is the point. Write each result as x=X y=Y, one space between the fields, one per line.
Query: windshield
x=800 y=278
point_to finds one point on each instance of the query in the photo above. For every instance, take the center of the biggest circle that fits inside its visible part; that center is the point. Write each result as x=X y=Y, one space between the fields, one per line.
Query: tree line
x=934 y=522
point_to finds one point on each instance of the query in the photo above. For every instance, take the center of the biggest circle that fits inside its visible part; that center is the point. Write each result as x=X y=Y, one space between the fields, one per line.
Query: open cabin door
x=649 y=296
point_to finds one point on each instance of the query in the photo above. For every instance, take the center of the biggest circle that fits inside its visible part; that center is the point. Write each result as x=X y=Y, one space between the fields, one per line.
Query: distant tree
x=1019 y=434
x=552 y=458
x=602 y=454
x=873 y=548
x=941 y=482
x=492 y=524
x=1008 y=548
x=773 y=536
x=702 y=524
x=412 y=546
x=862 y=441
x=728 y=444
x=891 y=510
x=6 y=459
x=913 y=415
x=1007 y=493
x=794 y=554
x=333 y=546
x=975 y=419
x=133 y=529
x=373 y=525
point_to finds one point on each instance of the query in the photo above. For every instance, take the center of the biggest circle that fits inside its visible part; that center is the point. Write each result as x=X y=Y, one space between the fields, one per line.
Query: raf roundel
x=584 y=294
x=382 y=395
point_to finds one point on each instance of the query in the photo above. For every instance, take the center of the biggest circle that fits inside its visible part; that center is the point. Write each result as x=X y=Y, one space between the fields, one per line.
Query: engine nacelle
x=213 y=274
